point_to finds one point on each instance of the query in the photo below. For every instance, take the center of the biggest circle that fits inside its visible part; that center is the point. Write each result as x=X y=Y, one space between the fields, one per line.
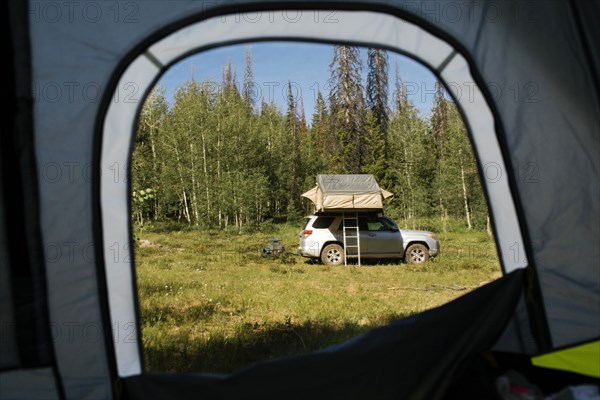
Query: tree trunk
x=205 y=170
x=194 y=196
x=219 y=182
x=443 y=215
x=464 y=187
x=407 y=172
x=186 y=210
x=155 y=169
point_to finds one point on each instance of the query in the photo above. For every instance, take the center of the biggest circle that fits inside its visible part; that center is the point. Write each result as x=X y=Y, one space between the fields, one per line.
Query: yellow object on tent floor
x=583 y=359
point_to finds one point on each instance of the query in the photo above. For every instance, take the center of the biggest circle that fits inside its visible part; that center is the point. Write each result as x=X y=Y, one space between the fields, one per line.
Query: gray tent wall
x=26 y=349
x=536 y=68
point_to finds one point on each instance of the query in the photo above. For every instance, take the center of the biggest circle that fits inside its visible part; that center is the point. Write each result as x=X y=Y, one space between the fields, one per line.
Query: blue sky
x=305 y=65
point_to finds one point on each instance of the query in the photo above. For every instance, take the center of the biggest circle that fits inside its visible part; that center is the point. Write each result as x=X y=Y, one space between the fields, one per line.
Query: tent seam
x=446 y=61
x=150 y=56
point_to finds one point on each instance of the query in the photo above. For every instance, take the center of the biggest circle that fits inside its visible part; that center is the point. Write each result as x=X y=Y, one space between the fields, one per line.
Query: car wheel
x=332 y=254
x=416 y=254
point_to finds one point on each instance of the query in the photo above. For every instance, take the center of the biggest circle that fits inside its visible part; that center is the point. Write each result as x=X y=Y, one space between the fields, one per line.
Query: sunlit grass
x=210 y=302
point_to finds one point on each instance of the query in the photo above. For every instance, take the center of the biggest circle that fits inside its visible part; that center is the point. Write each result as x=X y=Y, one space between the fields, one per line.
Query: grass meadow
x=211 y=303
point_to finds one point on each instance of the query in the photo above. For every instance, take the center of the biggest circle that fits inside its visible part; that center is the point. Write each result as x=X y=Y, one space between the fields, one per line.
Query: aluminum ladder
x=351 y=236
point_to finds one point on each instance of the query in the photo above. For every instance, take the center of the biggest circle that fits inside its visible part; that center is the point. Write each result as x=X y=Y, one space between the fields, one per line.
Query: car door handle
x=372 y=234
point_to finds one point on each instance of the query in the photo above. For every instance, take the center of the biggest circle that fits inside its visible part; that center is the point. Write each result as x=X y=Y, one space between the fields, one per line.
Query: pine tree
x=444 y=173
x=301 y=116
x=321 y=130
x=400 y=94
x=439 y=120
x=377 y=88
x=347 y=107
x=295 y=159
x=229 y=79
x=248 y=83
x=377 y=106
x=376 y=162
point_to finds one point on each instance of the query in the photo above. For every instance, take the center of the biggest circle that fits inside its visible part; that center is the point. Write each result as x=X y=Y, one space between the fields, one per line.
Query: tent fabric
x=347 y=192
x=24 y=324
x=524 y=75
x=582 y=359
x=29 y=384
x=9 y=357
x=348 y=184
x=380 y=364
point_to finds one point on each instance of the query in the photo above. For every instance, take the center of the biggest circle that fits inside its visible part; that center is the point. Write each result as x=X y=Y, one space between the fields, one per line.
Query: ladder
x=351 y=235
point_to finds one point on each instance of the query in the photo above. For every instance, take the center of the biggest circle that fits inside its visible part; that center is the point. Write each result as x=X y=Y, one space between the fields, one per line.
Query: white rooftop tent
x=347 y=192
x=525 y=75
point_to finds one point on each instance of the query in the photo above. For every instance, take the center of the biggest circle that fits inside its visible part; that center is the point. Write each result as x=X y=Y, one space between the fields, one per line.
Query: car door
x=383 y=238
x=365 y=243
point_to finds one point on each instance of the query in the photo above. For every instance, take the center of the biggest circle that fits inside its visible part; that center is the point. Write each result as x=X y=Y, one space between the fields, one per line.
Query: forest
x=216 y=157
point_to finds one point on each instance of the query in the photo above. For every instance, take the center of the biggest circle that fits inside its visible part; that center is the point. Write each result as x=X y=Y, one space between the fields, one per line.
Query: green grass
x=209 y=301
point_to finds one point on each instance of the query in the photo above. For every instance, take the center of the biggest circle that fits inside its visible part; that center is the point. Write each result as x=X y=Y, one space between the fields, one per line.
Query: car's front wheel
x=416 y=254
x=333 y=254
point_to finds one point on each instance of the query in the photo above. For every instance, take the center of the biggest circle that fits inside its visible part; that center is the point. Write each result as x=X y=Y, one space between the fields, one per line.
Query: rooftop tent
x=344 y=192
x=525 y=76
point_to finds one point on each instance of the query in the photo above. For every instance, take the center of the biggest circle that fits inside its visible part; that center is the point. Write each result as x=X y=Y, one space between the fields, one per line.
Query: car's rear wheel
x=416 y=254
x=333 y=254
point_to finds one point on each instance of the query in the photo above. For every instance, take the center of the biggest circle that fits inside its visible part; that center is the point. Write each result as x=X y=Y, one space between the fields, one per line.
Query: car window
x=323 y=222
x=378 y=224
x=388 y=225
x=371 y=223
x=306 y=223
x=393 y=226
x=362 y=224
x=375 y=226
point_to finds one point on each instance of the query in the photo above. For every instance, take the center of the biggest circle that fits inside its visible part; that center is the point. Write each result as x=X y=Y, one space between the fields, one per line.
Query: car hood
x=413 y=232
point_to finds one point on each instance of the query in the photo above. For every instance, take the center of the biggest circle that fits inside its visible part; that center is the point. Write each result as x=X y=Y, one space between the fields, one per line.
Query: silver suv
x=380 y=237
